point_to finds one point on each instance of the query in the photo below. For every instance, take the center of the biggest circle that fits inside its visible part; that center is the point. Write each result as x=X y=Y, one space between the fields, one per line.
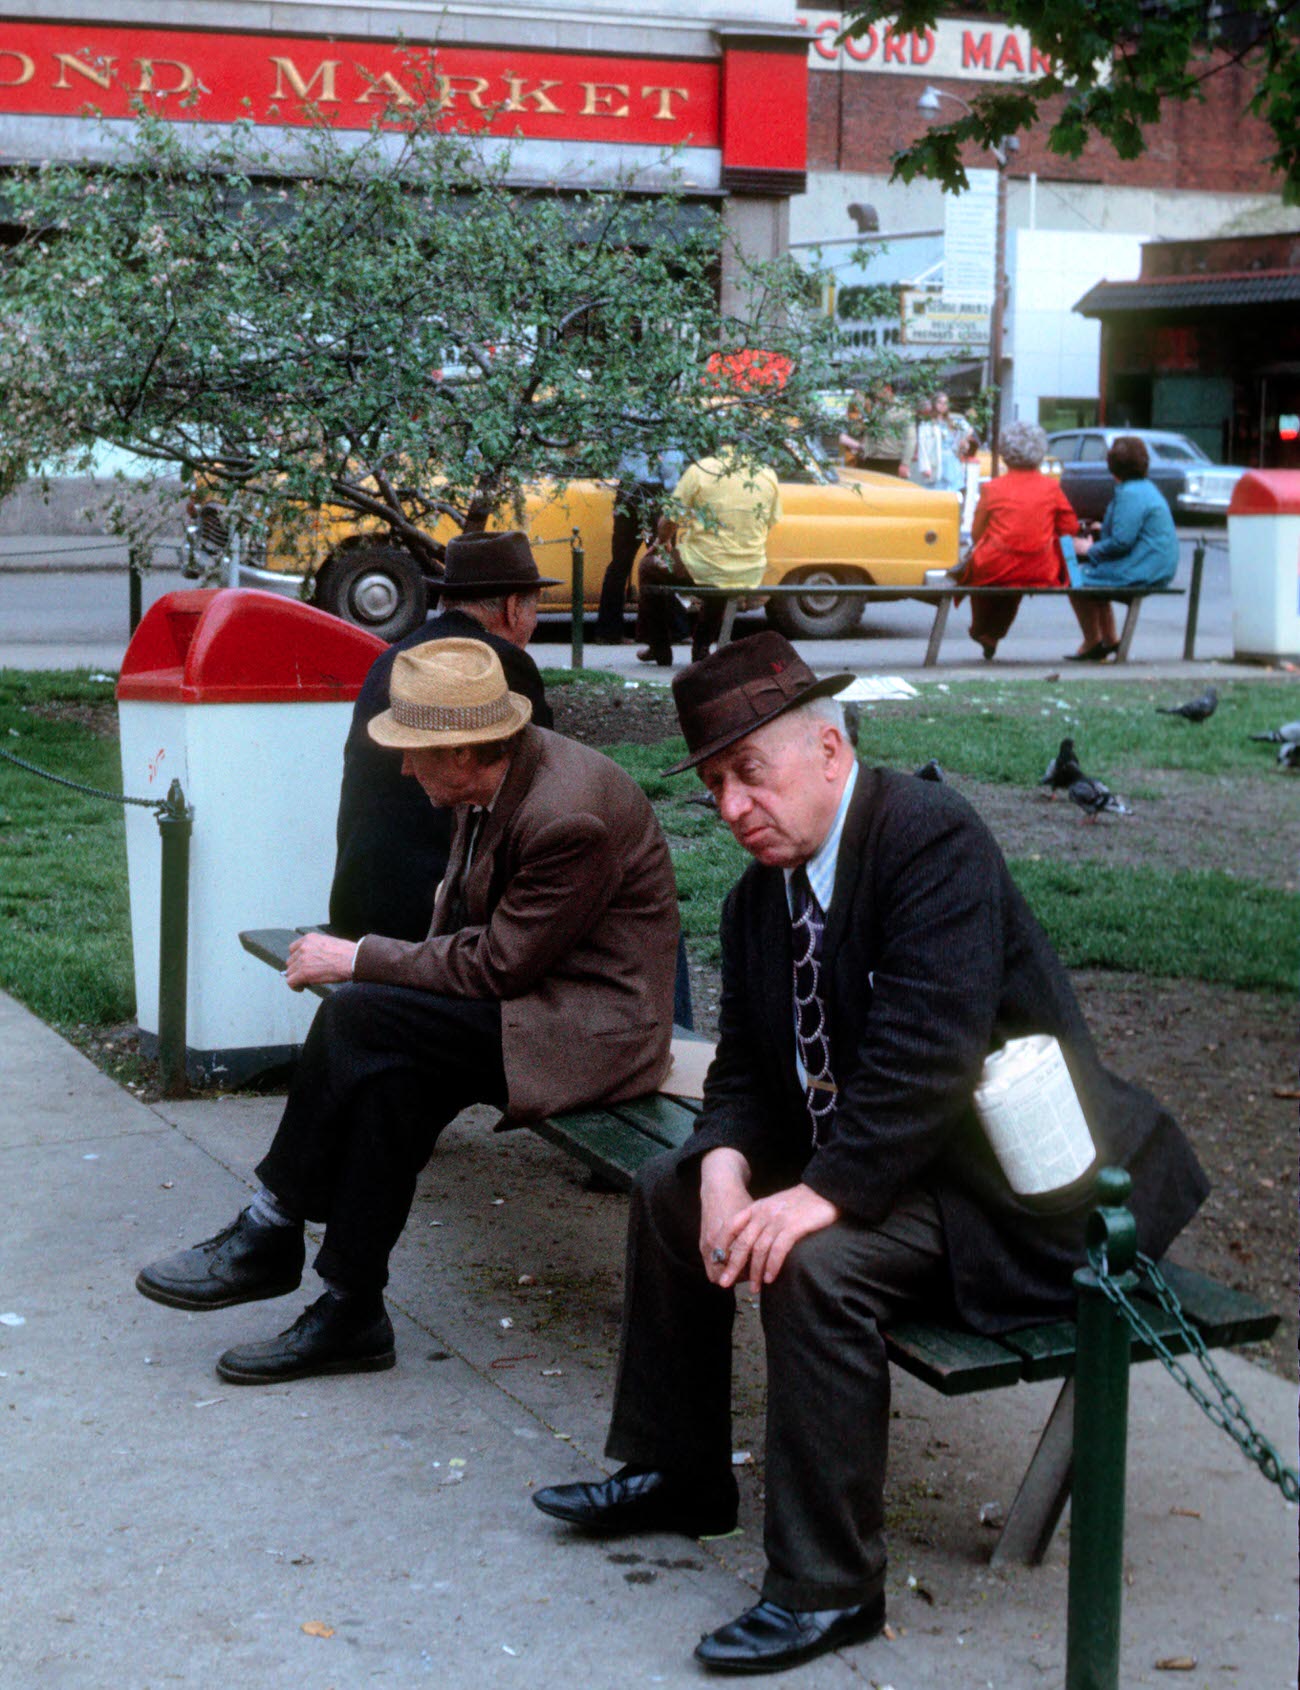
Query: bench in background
x=942 y=598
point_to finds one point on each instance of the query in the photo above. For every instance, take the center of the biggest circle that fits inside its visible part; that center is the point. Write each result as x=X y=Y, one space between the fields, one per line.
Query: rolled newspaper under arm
x=1031 y=1113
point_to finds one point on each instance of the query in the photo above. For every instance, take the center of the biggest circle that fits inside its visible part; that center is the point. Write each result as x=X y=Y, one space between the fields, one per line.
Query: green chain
x=162 y=805
x=1229 y=1413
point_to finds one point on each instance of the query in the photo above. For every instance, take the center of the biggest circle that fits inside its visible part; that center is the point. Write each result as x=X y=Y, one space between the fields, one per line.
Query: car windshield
x=803 y=461
x=1178 y=452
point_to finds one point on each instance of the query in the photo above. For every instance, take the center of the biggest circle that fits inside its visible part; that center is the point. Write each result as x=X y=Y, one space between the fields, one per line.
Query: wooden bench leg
x=1044 y=1491
x=1128 y=630
x=942 y=606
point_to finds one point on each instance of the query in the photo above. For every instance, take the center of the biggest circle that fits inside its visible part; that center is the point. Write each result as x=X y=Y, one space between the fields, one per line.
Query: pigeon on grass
x=1288 y=755
x=933 y=770
x=1287 y=734
x=1195 y=710
x=1095 y=798
x=1063 y=770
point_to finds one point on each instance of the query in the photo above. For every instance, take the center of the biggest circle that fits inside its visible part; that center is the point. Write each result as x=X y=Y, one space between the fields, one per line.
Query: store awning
x=1226 y=288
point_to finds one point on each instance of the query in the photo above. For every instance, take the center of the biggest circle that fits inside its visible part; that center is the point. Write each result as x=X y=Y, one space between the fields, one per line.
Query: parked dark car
x=1194 y=485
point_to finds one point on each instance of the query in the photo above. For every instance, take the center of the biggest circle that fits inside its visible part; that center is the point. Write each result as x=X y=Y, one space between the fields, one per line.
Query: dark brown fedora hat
x=483 y=564
x=741 y=687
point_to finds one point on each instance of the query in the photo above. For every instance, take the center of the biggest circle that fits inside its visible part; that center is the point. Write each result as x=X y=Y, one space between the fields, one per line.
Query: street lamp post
x=929 y=105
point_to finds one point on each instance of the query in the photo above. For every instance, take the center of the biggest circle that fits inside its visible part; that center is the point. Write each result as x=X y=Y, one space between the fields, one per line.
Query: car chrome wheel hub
x=374 y=596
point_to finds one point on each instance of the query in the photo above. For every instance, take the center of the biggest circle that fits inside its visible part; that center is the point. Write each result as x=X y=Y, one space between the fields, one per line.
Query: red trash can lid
x=1267 y=492
x=235 y=645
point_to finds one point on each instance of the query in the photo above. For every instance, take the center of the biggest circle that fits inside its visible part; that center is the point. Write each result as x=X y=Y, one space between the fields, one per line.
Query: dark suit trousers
x=383 y=1070
x=827 y=1376
x=636 y=506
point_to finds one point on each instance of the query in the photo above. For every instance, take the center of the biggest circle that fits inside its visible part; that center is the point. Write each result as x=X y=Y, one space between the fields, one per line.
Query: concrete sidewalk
x=164 y=1528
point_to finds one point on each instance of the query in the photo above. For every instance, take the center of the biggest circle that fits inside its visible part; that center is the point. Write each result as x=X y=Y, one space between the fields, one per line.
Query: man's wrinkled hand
x=724 y=1193
x=763 y=1234
x=318 y=959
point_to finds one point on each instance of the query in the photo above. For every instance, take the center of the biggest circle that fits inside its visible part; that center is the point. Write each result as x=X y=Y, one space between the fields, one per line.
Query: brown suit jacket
x=571 y=924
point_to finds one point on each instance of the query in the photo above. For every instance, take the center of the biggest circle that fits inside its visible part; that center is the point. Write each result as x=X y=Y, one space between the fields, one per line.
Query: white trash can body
x=261 y=774
x=1264 y=565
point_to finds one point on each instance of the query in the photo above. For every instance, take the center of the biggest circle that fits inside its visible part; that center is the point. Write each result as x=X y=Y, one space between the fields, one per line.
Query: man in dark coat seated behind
x=839 y=1165
x=392 y=843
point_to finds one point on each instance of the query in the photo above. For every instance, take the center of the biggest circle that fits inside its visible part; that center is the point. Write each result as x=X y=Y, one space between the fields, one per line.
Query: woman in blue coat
x=1137 y=548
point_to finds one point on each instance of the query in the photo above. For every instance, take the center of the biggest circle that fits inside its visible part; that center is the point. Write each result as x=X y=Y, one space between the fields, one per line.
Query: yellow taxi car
x=836 y=528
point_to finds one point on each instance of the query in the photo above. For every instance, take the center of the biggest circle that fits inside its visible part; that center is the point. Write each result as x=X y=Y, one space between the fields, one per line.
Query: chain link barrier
x=1228 y=1413
x=160 y=806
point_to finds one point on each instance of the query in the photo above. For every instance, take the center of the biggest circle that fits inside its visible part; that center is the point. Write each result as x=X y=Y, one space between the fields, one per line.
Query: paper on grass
x=869 y=689
x=1029 y=1109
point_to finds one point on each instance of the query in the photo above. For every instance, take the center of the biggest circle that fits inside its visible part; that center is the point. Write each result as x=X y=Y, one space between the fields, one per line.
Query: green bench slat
x=953 y=1362
x=613 y=1148
x=1221 y=1315
x=670 y=1121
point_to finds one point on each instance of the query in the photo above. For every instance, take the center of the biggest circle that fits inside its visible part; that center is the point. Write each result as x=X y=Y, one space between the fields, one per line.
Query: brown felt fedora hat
x=445 y=693
x=483 y=564
x=741 y=687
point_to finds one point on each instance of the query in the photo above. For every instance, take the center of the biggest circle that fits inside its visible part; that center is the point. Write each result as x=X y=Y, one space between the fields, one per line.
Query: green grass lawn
x=65 y=935
x=1204 y=926
x=65 y=929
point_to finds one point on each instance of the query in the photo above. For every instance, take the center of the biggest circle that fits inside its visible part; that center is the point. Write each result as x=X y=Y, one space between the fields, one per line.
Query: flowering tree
x=381 y=323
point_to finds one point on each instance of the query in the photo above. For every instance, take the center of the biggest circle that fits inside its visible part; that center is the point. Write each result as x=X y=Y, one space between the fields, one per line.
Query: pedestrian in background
x=1137 y=549
x=1020 y=520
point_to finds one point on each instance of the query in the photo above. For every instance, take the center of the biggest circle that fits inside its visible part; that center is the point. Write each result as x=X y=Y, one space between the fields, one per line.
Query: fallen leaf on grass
x=1177 y=1663
x=317 y=1628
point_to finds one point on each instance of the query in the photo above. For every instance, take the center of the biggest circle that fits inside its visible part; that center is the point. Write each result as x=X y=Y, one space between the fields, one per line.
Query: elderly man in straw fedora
x=546 y=981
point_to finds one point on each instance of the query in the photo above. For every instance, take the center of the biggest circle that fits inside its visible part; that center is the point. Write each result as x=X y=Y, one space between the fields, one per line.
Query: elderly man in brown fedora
x=545 y=982
x=874 y=953
x=392 y=844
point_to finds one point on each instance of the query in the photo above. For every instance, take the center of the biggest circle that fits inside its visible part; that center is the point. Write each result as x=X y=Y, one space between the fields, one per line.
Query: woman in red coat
x=1019 y=523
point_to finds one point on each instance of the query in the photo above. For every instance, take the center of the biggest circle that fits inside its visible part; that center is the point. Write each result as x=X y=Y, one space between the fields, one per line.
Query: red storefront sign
x=58 y=70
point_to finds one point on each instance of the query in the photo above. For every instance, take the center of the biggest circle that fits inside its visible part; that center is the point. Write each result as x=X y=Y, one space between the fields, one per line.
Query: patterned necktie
x=456 y=911
x=812 y=1032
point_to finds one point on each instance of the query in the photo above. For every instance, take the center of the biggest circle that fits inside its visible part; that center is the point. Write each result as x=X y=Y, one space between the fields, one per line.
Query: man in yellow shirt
x=724 y=545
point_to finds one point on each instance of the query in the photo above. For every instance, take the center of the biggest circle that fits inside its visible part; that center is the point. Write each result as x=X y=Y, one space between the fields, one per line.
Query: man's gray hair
x=1024 y=445
x=828 y=710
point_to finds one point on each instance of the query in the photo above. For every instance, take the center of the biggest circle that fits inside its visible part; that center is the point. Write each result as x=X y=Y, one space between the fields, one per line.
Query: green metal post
x=1194 y=601
x=135 y=580
x=579 y=609
x=1100 y=1448
x=175 y=824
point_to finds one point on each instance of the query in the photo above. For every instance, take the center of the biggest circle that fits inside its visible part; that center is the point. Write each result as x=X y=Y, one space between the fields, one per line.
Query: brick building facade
x=1070 y=222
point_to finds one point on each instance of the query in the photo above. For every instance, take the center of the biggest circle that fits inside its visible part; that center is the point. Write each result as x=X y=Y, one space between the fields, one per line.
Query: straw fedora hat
x=448 y=692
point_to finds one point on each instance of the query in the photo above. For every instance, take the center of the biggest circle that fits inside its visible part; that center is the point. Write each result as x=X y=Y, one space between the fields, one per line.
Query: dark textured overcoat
x=931 y=960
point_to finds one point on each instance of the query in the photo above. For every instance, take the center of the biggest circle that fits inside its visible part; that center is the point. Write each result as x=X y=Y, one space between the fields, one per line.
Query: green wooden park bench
x=615 y=1140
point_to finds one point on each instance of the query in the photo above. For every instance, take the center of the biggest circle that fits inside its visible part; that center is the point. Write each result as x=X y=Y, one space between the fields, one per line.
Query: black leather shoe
x=334 y=1335
x=635 y=1500
x=769 y=1638
x=243 y=1264
x=1094 y=654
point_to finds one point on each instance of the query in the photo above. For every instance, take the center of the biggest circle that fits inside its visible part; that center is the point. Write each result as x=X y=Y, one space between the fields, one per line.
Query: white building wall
x=1054 y=352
